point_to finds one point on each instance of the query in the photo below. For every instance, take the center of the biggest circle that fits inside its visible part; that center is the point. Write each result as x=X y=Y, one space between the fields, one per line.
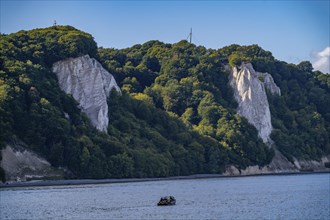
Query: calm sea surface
x=258 y=197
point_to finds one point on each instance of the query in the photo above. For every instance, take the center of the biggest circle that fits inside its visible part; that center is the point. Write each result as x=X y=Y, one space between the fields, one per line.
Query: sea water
x=254 y=197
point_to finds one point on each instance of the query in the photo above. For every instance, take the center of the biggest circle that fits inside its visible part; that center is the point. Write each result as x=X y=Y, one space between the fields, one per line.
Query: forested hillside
x=176 y=116
x=191 y=83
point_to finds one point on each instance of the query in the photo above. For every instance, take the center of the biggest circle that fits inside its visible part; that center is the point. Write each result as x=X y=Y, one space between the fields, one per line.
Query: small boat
x=167 y=200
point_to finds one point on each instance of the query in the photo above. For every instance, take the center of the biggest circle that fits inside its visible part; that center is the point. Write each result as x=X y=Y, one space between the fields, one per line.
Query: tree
x=121 y=166
x=305 y=66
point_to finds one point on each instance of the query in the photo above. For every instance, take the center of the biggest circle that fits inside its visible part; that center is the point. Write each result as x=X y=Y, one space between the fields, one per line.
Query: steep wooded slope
x=176 y=116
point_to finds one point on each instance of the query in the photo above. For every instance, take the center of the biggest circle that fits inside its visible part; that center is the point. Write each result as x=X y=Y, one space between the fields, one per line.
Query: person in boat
x=167 y=200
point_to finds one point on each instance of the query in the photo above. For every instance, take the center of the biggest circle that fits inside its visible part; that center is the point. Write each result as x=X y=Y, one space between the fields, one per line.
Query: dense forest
x=176 y=114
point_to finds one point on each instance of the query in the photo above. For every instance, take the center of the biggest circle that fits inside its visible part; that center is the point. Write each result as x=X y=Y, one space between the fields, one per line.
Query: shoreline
x=74 y=182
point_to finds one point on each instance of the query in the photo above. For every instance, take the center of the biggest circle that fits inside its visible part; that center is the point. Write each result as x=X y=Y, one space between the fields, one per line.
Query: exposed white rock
x=21 y=164
x=253 y=170
x=269 y=83
x=232 y=171
x=90 y=84
x=308 y=165
x=280 y=164
x=249 y=92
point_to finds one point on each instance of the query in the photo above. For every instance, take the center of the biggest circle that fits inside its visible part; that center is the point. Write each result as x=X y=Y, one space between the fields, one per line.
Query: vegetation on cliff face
x=32 y=105
x=176 y=115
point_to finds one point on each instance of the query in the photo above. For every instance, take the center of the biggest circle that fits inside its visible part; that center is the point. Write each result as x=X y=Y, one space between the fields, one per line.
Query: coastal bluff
x=89 y=84
x=250 y=93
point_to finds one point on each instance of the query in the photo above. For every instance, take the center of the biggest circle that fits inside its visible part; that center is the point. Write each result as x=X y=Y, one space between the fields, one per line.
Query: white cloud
x=322 y=60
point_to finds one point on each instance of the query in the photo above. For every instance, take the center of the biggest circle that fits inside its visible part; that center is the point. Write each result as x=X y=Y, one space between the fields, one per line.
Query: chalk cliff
x=250 y=94
x=90 y=84
x=280 y=164
x=22 y=164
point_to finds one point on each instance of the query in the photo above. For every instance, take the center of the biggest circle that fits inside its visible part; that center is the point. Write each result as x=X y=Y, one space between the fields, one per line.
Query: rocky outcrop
x=269 y=83
x=313 y=165
x=250 y=94
x=280 y=164
x=21 y=164
x=89 y=84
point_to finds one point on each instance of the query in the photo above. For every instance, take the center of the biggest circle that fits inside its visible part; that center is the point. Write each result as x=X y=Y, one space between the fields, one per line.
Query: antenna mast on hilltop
x=190 y=35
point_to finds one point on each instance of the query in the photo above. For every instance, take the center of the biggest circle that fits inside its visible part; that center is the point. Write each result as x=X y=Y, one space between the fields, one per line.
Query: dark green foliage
x=47 y=45
x=192 y=86
x=2 y=175
x=32 y=106
x=301 y=115
x=157 y=144
x=176 y=116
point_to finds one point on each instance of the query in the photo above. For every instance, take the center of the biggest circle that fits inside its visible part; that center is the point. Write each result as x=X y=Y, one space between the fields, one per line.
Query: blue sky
x=292 y=30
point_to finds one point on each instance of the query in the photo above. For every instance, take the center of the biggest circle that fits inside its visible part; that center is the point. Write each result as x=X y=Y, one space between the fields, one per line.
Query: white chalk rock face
x=269 y=83
x=249 y=92
x=19 y=163
x=89 y=84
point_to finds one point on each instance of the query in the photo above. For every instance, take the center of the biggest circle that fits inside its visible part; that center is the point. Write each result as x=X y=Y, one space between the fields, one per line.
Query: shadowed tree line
x=176 y=115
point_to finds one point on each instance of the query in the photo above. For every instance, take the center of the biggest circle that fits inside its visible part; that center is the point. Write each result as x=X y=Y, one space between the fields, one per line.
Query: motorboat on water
x=167 y=200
